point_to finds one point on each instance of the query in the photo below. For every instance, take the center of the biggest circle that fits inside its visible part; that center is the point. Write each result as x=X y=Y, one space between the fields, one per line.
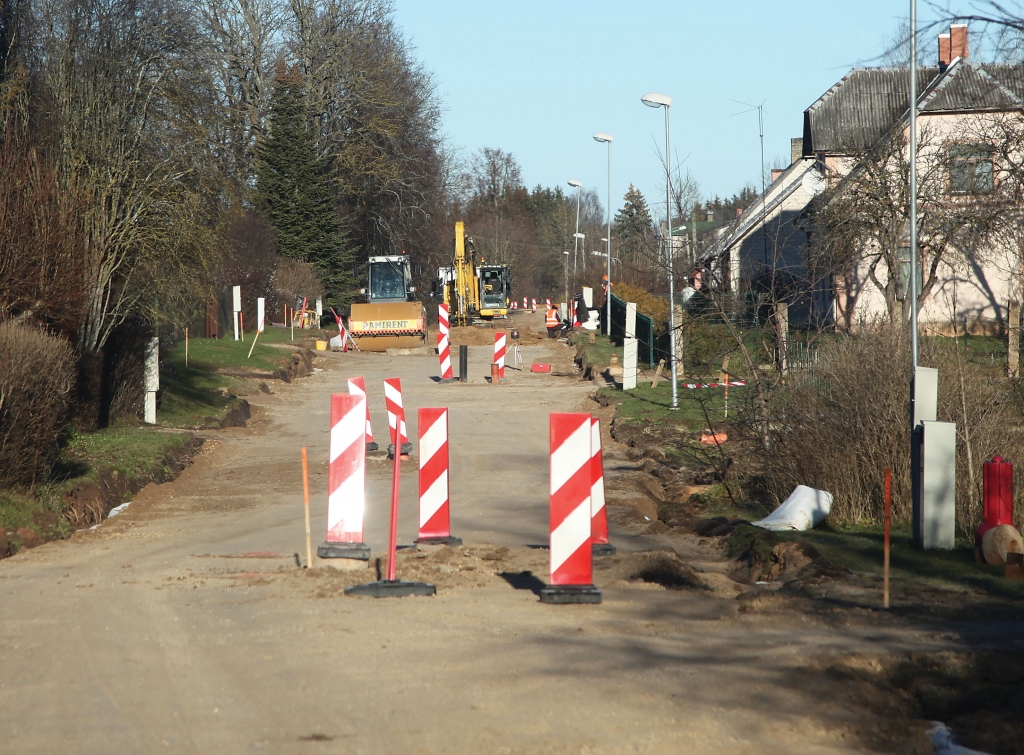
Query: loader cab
x=390 y=280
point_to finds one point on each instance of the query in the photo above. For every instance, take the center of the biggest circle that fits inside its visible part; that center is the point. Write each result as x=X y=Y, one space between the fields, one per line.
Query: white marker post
x=261 y=313
x=319 y=311
x=151 y=380
x=236 y=306
x=629 y=349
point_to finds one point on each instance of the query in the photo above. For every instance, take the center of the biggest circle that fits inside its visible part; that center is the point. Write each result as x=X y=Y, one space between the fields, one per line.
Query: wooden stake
x=657 y=372
x=888 y=524
x=254 y=340
x=186 y=347
x=305 y=500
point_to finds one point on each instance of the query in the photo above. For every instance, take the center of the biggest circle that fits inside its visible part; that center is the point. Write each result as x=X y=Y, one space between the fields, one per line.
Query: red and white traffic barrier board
x=524 y=302
x=444 y=353
x=396 y=412
x=533 y=303
x=499 y=353
x=346 y=479
x=357 y=387
x=571 y=481
x=435 y=513
x=598 y=516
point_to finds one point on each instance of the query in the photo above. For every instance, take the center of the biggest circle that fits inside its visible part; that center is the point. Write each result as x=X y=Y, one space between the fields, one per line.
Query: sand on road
x=184 y=624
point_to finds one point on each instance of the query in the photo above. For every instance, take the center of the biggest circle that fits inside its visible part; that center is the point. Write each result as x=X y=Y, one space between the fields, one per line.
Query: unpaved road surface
x=184 y=625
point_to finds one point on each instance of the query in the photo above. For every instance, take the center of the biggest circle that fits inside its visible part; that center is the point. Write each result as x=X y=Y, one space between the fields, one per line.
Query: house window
x=971 y=169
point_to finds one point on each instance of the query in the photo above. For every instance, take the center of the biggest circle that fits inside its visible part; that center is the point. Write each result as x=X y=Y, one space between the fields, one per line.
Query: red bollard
x=997 y=496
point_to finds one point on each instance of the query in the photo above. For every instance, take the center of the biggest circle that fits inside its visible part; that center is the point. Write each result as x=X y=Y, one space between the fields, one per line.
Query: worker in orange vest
x=553 y=321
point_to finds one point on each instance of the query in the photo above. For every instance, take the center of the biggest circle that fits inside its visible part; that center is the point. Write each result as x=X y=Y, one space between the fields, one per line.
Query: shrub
x=839 y=428
x=35 y=384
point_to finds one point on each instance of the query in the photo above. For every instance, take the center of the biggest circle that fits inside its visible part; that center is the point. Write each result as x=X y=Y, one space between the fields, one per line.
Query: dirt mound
x=483 y=334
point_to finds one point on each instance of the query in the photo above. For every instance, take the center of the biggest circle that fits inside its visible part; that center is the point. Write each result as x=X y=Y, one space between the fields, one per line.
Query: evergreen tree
x=633 y=226
x=295 y=192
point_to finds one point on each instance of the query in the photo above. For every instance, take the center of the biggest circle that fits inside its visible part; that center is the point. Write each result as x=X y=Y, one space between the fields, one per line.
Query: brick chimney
x=957 y=41
x=739 y=211
x=776 y=172
x=944 y=47
x=796 y=149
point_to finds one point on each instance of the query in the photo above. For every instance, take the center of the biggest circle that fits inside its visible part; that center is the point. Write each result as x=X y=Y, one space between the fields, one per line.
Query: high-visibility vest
x=552 y=319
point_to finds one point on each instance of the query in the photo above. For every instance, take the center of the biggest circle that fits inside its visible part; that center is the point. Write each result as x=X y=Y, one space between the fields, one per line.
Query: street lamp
x=578 y=185
x=655 y=99
x=607 y=139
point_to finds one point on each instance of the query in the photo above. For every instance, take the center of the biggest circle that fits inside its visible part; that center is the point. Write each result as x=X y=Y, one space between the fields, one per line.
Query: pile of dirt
x=483 y=334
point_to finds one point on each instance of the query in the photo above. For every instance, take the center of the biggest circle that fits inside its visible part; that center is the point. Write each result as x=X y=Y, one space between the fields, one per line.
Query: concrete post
x=629 y=349
x=1013 y=342
x=319 y=311
x=261 y=313
x=588 y=297
x=151 y=380
x=236 y=306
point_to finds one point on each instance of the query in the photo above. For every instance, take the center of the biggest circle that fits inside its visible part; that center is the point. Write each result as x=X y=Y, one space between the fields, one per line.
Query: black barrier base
x=358 y=551
x=391 y=589
x=452 y=541
x=372 y=446
x=561 y=594
x=602 y=549
x=406 y=450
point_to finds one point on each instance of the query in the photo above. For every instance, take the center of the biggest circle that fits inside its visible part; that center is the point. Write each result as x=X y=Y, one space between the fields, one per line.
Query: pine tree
x=633 y=225
x=295 y=191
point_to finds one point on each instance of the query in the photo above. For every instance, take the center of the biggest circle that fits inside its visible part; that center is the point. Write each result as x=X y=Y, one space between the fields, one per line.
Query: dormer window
x=971 y=170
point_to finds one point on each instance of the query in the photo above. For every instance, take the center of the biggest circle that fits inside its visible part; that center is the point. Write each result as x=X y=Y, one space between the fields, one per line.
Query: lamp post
x=576 y=236
x=654 y=99
x=607 y=139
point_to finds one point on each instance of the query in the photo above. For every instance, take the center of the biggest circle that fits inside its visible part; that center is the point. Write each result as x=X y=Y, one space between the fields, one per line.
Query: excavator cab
x=495 y=290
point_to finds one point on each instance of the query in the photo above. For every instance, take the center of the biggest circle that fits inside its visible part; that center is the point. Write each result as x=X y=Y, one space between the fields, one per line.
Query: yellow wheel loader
x=390 y=318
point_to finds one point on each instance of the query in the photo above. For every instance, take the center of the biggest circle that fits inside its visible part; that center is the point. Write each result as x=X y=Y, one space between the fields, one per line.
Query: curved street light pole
x=607 y=139
x=654 y=99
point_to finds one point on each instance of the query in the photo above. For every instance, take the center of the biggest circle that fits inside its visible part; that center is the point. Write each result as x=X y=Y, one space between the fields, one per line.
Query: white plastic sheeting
x=943 y=742
x=335 y=342
x=805 y=509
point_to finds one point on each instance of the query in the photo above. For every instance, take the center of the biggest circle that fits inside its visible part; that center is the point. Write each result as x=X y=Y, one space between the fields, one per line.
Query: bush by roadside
x=35 y=383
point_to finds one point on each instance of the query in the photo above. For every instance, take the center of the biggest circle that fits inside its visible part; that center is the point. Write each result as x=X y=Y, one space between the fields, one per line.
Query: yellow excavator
x=391 y=317
x=470 y=290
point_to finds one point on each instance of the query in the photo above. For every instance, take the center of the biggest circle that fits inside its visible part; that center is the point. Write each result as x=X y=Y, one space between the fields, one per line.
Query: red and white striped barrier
x=524 y=302
x=533 y=304
x=571 y=481
x=435 y=513
x=444 y=353
x=499 y=354
x=514 y=305
x=357 y=387
x=598 y=516
x=396 y=415
x=346 y=480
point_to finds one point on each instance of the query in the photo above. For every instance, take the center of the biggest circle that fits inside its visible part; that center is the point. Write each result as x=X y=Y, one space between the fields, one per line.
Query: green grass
x=132 y=451
x=600 y=351
x=215 y=354
x=644 y=405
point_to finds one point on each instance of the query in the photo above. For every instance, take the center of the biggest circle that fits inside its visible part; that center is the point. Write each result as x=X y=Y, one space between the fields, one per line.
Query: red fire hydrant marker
x=997 y=495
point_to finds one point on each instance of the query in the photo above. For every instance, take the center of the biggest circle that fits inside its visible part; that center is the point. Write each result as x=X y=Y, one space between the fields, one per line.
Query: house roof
x=867 y=102
x=780 y=190
x=859 y=109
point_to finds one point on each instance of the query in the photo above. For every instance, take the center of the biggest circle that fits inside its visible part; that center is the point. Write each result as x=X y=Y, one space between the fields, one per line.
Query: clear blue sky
x=539 y=78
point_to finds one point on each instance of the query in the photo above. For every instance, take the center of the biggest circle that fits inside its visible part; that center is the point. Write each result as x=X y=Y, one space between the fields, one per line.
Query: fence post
x=1013 y=339
x=782 y=335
